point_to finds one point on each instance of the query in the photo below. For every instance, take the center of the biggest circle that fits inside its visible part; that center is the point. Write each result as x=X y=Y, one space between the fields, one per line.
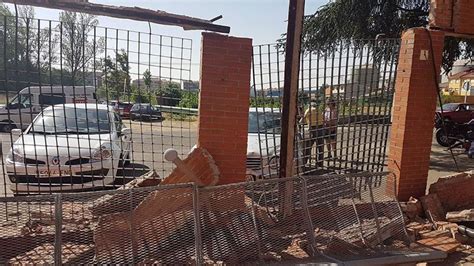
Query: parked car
x=22 y=108
x=459 y=113
x=145 y=112
x=68 y=147
x=122 y=108
x=263 y=142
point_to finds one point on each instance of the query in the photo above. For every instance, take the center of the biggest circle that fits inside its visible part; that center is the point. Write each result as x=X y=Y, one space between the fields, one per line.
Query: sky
x=262 y=20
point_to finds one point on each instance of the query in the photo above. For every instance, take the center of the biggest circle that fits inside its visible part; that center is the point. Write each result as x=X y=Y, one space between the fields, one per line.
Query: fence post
x=58 y=218
x=197 y=225
x=307 y=214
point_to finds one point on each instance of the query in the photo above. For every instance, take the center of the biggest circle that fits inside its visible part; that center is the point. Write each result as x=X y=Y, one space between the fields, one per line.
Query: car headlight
x=15 y=156
x=102 y=153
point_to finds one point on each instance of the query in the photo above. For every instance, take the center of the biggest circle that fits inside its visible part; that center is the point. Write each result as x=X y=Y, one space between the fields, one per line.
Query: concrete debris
x=460 y=216
x=433 y=208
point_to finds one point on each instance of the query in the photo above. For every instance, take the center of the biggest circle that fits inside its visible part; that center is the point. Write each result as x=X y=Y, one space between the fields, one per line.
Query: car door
x=470 y=110
x=27 y=109
x=463 y=115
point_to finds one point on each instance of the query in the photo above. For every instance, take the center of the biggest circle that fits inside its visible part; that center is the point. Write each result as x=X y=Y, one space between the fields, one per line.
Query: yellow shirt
x=313 y=117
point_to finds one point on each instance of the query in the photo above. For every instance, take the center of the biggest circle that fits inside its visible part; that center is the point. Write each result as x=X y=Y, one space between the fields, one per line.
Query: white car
x=263 y=144
x=68 y=147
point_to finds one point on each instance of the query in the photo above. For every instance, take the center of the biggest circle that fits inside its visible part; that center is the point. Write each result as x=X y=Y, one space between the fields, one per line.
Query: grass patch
x=180 y=117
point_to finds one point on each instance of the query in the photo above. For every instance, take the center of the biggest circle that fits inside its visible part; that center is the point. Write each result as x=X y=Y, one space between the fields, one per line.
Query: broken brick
x=460 y=216
x=444 y=243
x=435 y=234
x=462 y=184
x=433 y=208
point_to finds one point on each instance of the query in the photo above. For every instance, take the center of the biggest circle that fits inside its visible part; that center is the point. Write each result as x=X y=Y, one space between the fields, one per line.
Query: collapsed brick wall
x=455 y=191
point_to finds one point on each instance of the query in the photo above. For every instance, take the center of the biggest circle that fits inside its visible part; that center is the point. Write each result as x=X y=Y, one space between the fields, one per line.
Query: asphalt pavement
x=151 y=139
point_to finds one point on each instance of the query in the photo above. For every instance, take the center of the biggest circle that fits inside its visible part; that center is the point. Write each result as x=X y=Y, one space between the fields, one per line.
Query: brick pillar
x=224 y=102
x=414 y=111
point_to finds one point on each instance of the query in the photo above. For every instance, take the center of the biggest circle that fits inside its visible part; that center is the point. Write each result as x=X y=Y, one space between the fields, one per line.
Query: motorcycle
x=458 y=136
x=446 y=136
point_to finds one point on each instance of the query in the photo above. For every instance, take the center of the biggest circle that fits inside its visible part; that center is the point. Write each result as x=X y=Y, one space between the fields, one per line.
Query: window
x=20 y=101
x=51 y=99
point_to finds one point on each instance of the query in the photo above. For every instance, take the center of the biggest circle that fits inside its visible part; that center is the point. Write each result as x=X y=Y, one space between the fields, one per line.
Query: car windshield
x=261 y=123
x=20 y=100
x=449 y=107
x=70 y=120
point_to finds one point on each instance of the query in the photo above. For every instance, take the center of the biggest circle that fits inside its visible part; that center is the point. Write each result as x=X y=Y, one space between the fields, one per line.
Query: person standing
x=313 y=117
x=330 y=124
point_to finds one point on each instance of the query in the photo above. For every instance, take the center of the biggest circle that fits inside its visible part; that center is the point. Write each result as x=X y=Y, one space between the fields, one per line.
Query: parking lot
x=149 y=141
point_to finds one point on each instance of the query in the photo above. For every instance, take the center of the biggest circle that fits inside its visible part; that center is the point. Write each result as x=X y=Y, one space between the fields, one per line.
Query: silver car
x=68 y=147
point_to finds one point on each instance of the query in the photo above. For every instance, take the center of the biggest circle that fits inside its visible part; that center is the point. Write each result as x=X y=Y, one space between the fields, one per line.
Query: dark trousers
x=316 y=135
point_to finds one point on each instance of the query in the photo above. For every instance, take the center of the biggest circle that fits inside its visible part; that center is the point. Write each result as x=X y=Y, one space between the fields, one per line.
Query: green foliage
x=147 y=78
x=78 y=50
x=170 y=90
x=361 y=20
x=189 y=99
x=265 y=102
x=18 y=54
x=447 y=99
x=117 y=77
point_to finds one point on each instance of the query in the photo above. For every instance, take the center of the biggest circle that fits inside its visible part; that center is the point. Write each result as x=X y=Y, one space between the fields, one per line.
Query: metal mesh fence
x=86 y=107
x=332 y=219
x=344 y=107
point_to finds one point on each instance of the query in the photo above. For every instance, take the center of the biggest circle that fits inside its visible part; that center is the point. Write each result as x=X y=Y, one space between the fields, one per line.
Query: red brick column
x=224 y=102
x=414 y=111
x=452 y=15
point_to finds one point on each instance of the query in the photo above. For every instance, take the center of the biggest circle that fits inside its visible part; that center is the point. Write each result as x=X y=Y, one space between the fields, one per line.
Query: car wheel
x=443 y=139
x=7 y=127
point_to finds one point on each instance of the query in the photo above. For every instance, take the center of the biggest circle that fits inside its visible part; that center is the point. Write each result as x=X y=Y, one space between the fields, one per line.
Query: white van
x=23 y=107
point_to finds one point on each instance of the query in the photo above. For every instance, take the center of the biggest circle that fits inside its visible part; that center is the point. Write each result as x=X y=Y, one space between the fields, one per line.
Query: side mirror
x=126 y=131
x=16 y=132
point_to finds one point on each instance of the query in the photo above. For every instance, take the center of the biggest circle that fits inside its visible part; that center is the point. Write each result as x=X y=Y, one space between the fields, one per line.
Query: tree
x=147 y=79
x=189 y=99
x=78 y=47
x=25 y=50
x=116 y=76
x=359 y=20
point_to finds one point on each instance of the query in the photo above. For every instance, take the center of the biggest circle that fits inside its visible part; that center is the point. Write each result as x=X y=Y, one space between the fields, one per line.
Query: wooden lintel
x=134 y=13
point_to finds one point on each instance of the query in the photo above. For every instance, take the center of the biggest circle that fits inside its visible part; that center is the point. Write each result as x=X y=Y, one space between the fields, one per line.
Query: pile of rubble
x=443 y=218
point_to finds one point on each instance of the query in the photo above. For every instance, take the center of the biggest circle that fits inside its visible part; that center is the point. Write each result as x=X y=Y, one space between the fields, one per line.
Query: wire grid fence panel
x=354 y=221
x=158 y=226
x=344 y=107
x=28 y=231
x=144 y=78
x=331 y=219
